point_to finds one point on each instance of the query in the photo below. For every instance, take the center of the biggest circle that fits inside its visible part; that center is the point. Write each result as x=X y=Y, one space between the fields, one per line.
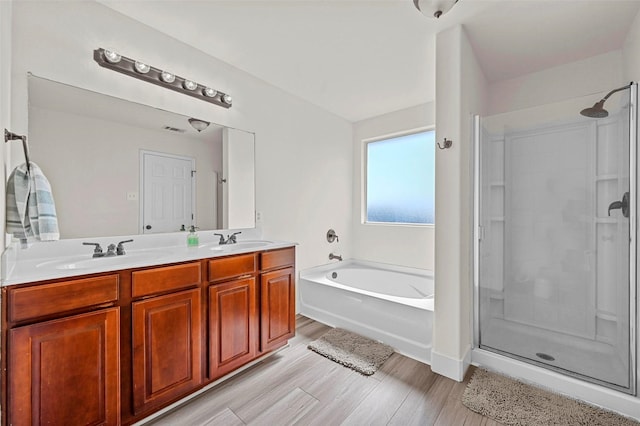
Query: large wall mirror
x=120 y=168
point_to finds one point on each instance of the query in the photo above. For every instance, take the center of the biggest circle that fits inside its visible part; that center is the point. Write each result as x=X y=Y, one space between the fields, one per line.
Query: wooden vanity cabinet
x=277 y=298
x=114 y=348
x=233 y=313
x=63 y=353
x=167 y=334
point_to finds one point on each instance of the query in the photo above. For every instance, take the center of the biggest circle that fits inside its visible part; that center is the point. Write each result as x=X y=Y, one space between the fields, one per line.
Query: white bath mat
x=352 y=350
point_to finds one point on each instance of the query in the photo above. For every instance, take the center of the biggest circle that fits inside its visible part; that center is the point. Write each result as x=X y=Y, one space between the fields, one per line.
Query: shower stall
x=555 y=237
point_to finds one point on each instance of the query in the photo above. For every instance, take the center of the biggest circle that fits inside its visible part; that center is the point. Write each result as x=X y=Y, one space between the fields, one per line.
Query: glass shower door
x=553 y=211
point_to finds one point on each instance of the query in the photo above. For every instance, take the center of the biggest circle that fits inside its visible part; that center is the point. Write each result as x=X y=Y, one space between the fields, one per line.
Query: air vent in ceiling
x=174 y=129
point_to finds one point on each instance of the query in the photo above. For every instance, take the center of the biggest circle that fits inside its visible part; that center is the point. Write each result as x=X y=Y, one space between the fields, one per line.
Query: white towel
x=31 y=211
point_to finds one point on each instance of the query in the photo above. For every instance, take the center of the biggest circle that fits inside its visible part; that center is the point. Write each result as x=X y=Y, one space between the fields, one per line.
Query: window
x=400 y=179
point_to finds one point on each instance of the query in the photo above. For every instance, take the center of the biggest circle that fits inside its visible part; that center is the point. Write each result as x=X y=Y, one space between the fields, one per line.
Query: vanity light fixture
x=197 y=124
x=142 y=71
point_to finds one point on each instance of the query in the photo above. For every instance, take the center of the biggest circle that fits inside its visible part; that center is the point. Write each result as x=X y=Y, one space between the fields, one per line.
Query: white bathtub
x=387 y=303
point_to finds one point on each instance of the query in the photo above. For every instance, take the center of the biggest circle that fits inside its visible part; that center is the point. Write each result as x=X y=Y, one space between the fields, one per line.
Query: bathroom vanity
x=115 y=346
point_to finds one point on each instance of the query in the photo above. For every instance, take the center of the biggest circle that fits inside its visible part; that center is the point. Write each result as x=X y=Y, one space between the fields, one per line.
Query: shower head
x=597 y=110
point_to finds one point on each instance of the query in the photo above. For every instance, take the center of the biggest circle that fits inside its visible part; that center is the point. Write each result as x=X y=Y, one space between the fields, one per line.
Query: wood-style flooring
x=299 y=387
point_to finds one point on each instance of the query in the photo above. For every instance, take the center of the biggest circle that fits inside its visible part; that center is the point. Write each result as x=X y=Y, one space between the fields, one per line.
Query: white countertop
x=69 y=258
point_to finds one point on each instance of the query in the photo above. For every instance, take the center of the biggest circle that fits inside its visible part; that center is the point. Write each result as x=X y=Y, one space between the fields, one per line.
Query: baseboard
x=452 y=368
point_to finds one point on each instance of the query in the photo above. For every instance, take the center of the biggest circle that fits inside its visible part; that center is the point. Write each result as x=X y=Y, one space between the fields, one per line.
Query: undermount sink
x=87 y=262
x=240 y=245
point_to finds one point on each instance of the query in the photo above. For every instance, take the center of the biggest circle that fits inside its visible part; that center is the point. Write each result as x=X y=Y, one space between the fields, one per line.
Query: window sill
x=402 y=225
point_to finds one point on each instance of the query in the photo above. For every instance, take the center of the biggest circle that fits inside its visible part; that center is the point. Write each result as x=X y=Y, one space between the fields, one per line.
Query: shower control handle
x=623 y=205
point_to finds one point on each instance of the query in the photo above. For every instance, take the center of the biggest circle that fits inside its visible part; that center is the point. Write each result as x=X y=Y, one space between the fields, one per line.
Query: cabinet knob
x=148 y=227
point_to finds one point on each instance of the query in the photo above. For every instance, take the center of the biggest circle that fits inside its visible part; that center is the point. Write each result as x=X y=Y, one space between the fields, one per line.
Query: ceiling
x=363 y=58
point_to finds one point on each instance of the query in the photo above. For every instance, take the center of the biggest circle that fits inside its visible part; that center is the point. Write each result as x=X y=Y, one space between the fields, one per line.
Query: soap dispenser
x=192 y=238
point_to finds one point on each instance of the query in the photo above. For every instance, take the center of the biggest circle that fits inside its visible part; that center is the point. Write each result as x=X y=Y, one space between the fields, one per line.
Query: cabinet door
x=233 y=319
x=277 y=305
x=166 y=348
x=66 y=371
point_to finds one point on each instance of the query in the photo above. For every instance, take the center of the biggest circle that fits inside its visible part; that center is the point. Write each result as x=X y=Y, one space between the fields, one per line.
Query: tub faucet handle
x=332 y=236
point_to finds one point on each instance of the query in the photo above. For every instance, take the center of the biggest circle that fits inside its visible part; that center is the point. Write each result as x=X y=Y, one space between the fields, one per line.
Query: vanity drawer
x=233 y=266
x=277 y=258
x=48 y=299
x=159 y=280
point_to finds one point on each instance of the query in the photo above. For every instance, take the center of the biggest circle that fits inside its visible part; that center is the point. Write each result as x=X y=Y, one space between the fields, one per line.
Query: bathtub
x=387 y=303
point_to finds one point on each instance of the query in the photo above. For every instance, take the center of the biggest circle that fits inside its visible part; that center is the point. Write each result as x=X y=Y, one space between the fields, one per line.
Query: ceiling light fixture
x=197 y=124
x=142 y=71
x=434 y=8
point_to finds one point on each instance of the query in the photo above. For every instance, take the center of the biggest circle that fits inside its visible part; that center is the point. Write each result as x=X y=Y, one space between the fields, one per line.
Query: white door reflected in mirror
x=167 y=192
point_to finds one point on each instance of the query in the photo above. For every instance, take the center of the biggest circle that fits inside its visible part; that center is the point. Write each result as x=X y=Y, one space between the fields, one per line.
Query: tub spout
x=335 y=256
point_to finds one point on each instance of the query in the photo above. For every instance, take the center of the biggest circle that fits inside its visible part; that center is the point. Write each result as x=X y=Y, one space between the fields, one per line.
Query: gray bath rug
x=352 y=350
x=514 y=403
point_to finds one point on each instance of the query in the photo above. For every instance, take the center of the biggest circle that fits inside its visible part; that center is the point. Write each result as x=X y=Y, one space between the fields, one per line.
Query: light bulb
x=141 y=67
x=227 y=99
x=209 y=92
x=112 y=56
x=190 y=85
x=167 y=77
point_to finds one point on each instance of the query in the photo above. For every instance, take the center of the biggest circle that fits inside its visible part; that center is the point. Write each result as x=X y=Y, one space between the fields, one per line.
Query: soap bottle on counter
x=192 y=238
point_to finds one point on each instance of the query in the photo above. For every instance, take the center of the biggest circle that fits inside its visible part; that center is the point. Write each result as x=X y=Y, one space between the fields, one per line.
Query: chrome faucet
x=231 y=239
x=112 y=249
x=120 y=249
x=97 y=251
x=335 y=256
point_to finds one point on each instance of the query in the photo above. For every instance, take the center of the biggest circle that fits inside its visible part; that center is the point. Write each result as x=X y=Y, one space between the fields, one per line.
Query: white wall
x=460 y=92
x=239 y=178
x=411 y=246
x=600 y=73
x=303 y=153
x=5 y=92
x=630 y=52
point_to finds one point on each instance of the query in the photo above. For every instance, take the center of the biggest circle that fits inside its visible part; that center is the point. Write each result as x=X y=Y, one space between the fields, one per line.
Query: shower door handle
x=623 y=205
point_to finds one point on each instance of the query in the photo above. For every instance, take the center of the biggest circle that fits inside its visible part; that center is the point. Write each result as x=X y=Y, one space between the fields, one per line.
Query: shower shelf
x=600 y=178
x=607 y=316
x=609 y=220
